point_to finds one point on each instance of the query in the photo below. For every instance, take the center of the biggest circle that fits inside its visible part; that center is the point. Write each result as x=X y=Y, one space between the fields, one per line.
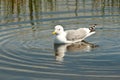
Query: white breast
x=60 y=38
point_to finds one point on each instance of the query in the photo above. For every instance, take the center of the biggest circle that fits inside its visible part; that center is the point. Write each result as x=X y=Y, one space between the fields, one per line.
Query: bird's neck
x=63 y=33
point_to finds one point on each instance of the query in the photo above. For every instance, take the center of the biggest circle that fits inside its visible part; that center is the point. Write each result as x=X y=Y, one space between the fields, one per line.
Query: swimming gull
x=72 y=36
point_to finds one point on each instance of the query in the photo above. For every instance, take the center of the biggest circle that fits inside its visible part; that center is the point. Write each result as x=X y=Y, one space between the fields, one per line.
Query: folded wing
x=79 y=34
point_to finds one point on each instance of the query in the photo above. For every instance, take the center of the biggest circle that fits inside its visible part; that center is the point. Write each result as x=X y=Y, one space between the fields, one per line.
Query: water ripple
x=23 y=56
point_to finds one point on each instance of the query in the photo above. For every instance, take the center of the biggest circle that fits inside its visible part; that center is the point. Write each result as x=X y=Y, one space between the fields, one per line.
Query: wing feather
x=78 y=34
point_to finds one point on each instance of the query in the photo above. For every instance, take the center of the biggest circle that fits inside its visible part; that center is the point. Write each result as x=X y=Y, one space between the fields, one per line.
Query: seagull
x=72 y=36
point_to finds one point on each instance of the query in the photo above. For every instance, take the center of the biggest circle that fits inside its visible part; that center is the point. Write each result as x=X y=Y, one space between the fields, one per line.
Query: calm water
x=27 y=51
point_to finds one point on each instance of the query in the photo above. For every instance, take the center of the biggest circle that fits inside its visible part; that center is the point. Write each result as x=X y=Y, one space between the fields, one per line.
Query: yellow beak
x=53 y=32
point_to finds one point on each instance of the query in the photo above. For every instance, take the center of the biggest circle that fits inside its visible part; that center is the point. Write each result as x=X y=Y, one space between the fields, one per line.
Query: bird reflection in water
x=61 y=49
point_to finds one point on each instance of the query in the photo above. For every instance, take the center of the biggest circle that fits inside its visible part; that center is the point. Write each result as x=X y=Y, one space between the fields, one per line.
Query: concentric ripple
x=24 y=52
x=21 y=52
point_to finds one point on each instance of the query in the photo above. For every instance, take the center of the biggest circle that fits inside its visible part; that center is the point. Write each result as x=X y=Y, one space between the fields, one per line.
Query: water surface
x=27 y=50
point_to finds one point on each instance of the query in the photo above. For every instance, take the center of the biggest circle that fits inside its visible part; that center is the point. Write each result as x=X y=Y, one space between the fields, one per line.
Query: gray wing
x=73 y=35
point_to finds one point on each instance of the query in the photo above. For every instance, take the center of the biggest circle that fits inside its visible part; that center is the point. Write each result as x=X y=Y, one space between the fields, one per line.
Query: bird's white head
x=58 y=30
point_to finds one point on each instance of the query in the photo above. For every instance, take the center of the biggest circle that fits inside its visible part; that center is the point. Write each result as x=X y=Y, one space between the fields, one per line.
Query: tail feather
x=92 y=28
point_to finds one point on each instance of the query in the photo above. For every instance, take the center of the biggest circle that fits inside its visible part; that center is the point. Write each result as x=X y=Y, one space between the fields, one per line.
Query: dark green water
x=27 y=50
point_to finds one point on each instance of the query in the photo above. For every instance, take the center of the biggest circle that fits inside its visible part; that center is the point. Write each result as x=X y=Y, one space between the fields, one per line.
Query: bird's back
x=73 y=35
